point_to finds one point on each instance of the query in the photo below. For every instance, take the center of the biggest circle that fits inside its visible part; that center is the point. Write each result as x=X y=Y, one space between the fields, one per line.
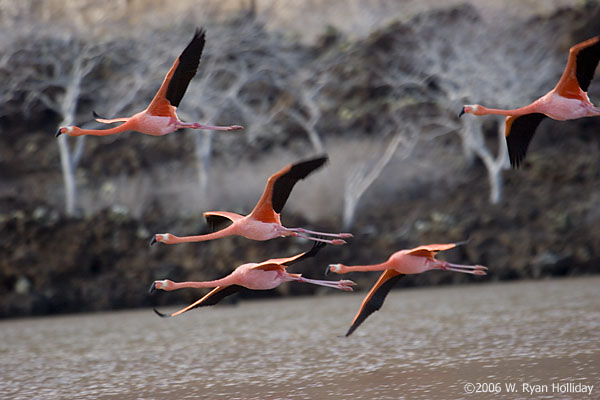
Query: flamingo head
x=68 y=130
x=474 y=109
x=166 y=238
x=165 y=284
x=337 y=268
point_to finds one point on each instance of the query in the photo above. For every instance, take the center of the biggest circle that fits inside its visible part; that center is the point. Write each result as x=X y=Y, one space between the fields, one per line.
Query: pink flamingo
x=263 y=223
x=256 y=276
x=568 y=100
x=403 y=262
x=160 y=117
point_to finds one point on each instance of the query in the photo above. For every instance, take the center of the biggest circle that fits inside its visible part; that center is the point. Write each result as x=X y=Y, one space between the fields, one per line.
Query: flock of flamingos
x=568 y=100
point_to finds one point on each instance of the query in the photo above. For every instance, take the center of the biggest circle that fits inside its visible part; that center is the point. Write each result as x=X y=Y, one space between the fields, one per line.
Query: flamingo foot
x=346 y=285
x=466 y=269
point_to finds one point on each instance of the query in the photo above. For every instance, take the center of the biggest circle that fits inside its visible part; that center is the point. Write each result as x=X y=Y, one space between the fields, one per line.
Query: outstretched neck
x=481 y=110
x=102 y=132
x=363 y=268
x=228 y=231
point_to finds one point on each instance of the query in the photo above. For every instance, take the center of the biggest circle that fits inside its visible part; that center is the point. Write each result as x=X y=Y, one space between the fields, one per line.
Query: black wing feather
x=375 y=303
x=587 y=61
x=521 y=132
x=285 y=183
x=185 y=71
x=220 y=295
x=311 y=253
x=217 y=222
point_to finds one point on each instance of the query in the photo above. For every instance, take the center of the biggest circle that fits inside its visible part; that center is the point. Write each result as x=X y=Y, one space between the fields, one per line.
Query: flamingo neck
x=481 y=110
x=363 y=268
x=228 y=231
x=102 y=132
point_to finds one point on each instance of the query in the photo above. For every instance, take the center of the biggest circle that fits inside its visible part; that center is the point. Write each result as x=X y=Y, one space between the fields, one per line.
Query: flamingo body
x=563 y=108
x=403 y=262
x=258 y=230
x=264 y=222
x=568 y=100
x=255 y=276
x=160 y=117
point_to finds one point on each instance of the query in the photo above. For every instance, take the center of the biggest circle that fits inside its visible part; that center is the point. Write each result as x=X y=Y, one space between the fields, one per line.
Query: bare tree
x=58 y=72
x=476 y=64
x=246 y=77
x=361 y=177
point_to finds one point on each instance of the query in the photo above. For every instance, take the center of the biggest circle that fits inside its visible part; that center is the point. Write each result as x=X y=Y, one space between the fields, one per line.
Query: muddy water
x=424 y=344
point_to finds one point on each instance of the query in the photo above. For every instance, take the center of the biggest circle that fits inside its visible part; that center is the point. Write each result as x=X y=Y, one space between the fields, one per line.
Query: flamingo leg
x=195 y=125
x=345 y=285
x=465 y=269
x=335 y=235
x=334 y=241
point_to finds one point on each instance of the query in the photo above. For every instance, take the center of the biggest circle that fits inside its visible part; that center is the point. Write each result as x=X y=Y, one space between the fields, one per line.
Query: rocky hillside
x=345 y=96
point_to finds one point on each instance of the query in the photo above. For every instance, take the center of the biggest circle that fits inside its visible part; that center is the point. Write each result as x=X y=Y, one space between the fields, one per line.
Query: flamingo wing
x=587 y=61
x=519 y=131
x=178 y=78
x=299 y=257
x=210 y=299
x=375 y=298
x=109 y=121
x=216 y=219
x=268 y=266
x=430 y=250
x=579 y=71
x=280 y=185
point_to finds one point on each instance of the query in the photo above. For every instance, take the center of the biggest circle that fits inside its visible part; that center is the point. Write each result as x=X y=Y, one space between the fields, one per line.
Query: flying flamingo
x=403 y=262
x=256 y=276
x=160 y=117
x=568 y=100
x=263 y=223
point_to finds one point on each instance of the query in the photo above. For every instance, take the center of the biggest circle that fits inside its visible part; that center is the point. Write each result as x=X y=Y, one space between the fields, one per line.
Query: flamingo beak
x=152 y=288
x=153 y=240
x=327 y=270
x=461 y=112
x=161 y=314
x=58 y=133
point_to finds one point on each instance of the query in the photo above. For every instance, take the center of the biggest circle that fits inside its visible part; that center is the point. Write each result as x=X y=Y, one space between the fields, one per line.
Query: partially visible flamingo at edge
x=264 y=222
x=568 y=100
x=256 y=276
x=403 y=262
x=160 y=117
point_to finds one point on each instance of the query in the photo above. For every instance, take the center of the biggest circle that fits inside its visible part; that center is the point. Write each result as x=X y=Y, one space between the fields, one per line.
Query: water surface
x=423 y=344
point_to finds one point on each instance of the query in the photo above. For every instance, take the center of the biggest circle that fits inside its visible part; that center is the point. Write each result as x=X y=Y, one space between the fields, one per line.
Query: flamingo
x=568 y=100
x=160 y=117
x=403 y=262
x=256 y=276
x=263 y=223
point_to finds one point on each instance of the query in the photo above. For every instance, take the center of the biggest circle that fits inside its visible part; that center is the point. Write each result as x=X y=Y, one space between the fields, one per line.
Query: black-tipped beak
x=58 y=133
x=152 y=288
x=153 y=240
x=161 y=314
x=327 y=271
x=461 y=112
